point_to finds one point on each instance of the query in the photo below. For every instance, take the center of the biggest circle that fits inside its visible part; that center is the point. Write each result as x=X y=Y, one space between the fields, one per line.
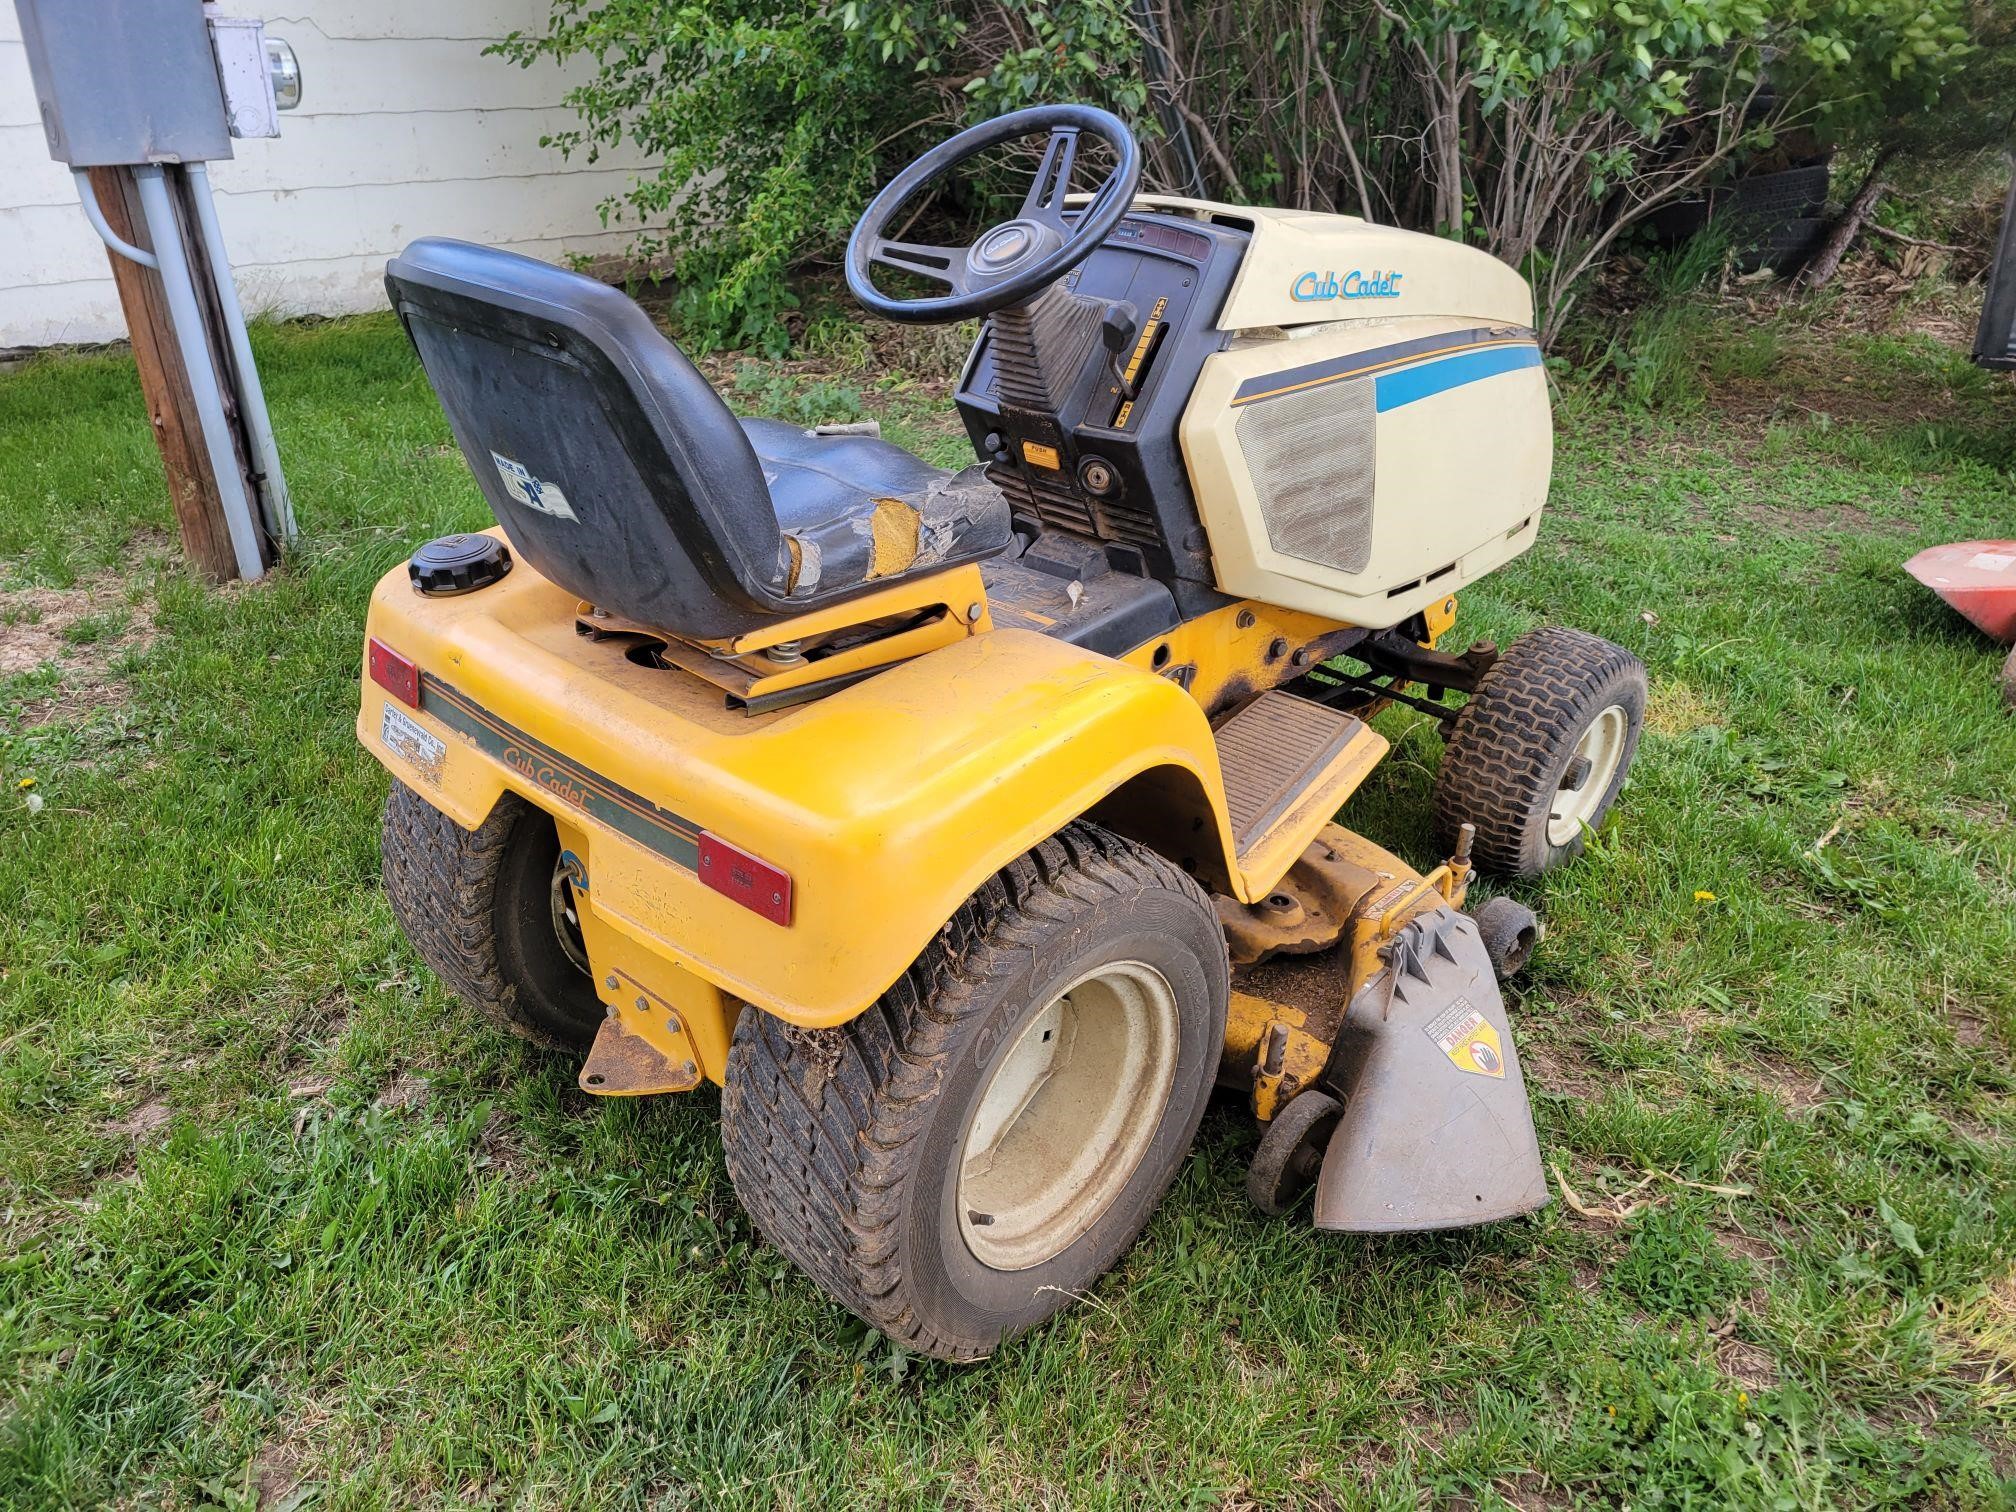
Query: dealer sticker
x=411 y=742
x=1469 y=1039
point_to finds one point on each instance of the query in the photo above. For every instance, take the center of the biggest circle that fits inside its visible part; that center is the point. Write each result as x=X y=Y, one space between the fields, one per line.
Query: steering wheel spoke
x=1045 y=199
x=946 y=265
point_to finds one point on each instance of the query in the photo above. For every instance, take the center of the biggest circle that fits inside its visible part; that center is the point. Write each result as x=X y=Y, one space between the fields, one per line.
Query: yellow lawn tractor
x=968 y=828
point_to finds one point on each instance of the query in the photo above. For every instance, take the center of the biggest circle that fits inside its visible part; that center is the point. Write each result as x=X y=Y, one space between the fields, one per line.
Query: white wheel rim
x=1602 y=746
x=1064 y=1121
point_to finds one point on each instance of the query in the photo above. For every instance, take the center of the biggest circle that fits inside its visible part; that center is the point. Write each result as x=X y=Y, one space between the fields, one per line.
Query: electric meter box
x=118 y=82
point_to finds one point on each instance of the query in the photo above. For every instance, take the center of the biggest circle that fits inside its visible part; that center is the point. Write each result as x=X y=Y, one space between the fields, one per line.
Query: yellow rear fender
x=888 y=804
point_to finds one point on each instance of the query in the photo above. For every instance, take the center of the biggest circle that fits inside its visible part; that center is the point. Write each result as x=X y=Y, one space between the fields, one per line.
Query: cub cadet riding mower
x=968 y=828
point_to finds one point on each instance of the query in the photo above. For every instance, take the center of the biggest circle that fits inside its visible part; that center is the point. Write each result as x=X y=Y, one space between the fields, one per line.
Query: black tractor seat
x=618 y=473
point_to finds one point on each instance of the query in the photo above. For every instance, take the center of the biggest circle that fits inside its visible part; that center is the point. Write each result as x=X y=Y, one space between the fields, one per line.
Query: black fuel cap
x=459 y=564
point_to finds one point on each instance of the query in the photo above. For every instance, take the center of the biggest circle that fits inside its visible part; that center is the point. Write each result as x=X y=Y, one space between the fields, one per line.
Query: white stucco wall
x=405 y=129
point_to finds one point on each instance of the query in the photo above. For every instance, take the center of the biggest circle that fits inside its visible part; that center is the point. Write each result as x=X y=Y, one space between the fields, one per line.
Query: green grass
x=284 y=1224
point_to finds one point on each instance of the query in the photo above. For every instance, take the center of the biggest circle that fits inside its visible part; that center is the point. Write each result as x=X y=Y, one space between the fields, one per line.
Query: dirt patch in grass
x=150 y=1117
x=1811 y=375
x=1970 y=1029
x=1751 y=1247
x=1989 y=815
x=1530 y=1491
x=497 y=1147
x=1557 y=1067
x=1752 y=406
x=404 y=1091
x=81 y=630
x=276 y=1474
x=1799 y=1088
x=83 y=622
x=1987 y=1121
x=1367 y=1459
x=1431 y=1429
x=309 y=1031
x=1776 y=519
x=1749 y=1366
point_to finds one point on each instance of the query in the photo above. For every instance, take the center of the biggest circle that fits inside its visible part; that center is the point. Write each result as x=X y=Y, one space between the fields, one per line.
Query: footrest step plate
x=1288 y=763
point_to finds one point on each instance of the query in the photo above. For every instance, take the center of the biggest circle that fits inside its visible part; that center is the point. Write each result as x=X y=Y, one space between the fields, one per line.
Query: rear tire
x=1539 y=754
x=479 y=905
x=935 y=1165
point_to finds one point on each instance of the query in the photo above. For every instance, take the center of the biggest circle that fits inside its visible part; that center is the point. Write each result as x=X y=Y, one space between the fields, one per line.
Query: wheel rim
x=567 y=917
x=1064 y=1121
x=1602 y=748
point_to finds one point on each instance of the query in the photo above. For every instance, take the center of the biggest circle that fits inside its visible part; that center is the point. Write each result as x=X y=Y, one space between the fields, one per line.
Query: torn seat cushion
x=858 y=509
x=619 y=474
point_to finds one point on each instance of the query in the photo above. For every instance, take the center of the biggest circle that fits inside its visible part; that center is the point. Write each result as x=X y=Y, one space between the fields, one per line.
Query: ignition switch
x=1098 y=477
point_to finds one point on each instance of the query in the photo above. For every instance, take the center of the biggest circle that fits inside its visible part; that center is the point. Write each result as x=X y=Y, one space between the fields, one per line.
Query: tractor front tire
x=1540 y=752
x=970 y=1154
x=484 y=909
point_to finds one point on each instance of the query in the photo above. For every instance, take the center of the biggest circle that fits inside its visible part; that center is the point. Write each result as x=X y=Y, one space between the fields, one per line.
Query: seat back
x=613 y=466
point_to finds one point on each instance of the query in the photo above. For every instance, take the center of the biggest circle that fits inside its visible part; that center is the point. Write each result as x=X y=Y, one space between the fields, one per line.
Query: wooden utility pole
x=164 y=380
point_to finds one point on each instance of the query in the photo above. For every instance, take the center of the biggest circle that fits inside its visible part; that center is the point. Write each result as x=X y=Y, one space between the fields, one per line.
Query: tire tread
x=442 y=882
x=821 y=1126
x=1504 y=754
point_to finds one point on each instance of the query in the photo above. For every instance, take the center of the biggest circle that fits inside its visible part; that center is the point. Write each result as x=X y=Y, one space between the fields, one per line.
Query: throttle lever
x=1118 y=327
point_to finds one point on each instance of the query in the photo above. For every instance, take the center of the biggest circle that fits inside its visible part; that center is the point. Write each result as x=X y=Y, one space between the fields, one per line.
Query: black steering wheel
x=1017 y=259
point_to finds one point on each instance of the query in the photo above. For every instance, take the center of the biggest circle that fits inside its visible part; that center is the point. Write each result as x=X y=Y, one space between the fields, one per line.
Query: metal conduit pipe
x=95 y=214
x=278 y=506
x=165 y=232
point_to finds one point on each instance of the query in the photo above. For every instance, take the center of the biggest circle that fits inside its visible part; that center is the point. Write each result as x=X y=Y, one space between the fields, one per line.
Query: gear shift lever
x=1117 y=329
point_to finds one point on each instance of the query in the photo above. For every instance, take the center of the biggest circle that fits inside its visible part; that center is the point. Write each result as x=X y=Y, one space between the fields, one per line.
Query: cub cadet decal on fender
x=1468 y=1039
x=675 y=838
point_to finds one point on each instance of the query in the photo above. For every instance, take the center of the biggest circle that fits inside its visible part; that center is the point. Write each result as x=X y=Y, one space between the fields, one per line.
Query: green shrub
x=1538 y=130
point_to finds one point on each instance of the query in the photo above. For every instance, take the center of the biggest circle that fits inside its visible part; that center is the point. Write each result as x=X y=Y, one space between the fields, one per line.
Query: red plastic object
x=1976 y=577
x=394 y=673
x=749 y=880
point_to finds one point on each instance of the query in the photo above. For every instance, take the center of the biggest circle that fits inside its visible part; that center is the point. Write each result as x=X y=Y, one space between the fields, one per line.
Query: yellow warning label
x=1469 y=1039
x=1038 y=455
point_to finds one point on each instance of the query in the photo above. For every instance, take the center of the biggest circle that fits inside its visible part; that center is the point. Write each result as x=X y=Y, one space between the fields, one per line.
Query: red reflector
x=734 y=873
x=394 y=673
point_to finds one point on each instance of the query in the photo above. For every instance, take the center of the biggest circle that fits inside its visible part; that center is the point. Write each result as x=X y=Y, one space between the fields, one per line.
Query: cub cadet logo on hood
x=1356 y=284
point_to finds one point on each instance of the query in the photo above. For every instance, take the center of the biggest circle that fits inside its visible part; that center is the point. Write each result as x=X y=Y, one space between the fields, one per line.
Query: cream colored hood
x=1305 y=267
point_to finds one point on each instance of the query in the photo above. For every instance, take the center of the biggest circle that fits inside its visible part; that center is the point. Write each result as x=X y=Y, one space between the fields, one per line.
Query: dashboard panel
x=1107 y=465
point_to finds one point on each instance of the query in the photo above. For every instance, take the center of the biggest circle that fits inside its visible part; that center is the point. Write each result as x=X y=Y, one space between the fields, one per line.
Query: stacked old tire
x=1774 y=220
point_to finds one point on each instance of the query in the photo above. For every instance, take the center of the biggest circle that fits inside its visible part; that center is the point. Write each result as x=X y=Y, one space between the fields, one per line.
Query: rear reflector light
x=734 y=873
x=394 y=673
